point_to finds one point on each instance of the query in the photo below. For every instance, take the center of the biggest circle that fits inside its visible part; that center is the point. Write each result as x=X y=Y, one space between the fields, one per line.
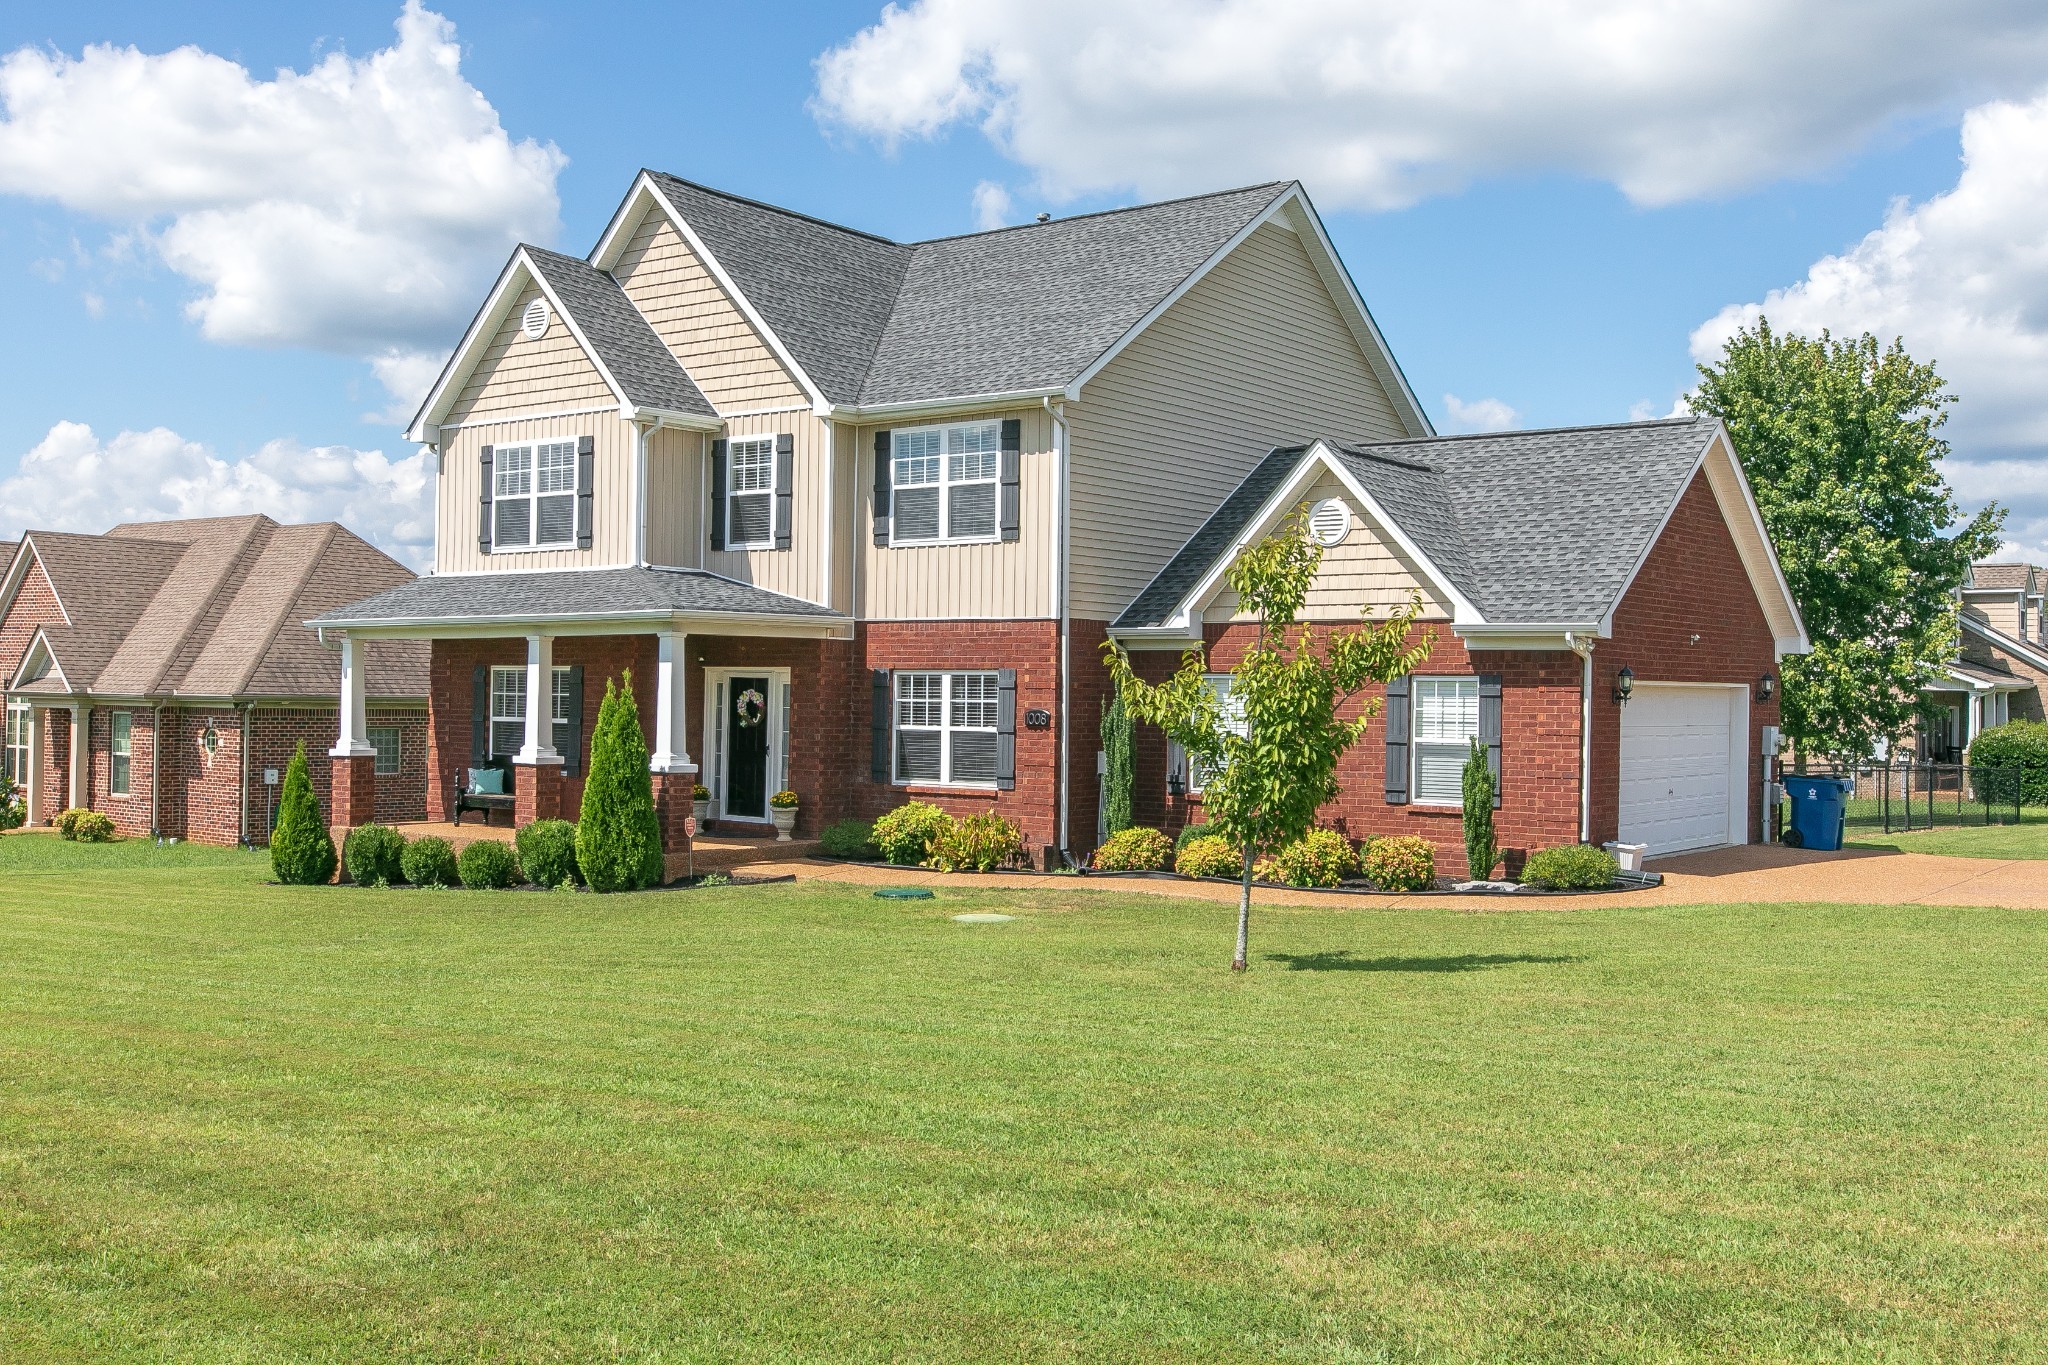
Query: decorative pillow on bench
x=486 y=782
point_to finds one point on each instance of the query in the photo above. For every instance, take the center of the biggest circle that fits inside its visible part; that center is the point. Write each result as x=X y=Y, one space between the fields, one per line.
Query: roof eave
x=939 y=406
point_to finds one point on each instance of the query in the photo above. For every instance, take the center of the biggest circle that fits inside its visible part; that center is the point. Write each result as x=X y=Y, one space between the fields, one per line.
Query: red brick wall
x=54 y=785
x=202 y=794
x=131 y=814
x=34 y=605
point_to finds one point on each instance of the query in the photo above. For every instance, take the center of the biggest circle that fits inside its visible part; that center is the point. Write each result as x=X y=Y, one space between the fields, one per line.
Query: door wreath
x=750 y=706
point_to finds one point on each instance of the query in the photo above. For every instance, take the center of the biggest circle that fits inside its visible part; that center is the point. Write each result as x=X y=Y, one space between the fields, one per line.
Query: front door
x=748 y=723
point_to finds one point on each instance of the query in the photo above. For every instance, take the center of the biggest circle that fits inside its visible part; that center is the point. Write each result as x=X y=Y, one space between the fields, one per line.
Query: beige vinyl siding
x=675 y=498
x=1366 y=571
x=1000 y=580
x=691 y=312
x=2001 y=613
x=797 y=571
x=520 y=375
x=1256 y=355
x=457 y=509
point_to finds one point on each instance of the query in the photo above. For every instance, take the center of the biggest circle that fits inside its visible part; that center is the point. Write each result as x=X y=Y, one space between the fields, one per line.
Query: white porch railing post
x=540 y=702
x=671 y=721
x=353 y=740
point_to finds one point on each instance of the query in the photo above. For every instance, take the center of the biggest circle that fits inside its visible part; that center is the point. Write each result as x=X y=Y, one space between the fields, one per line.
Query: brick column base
x=673 y=793
x=355 y=791
x=537 y=792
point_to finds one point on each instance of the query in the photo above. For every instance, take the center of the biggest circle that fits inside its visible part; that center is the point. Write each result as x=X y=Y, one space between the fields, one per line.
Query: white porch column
x=1973 y=721
x=540 y=702
x=80 y=716
x=671 y=717
x=353 y=740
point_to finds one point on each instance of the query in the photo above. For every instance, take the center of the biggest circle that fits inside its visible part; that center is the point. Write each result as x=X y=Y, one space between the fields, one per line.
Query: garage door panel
x=1676 y=767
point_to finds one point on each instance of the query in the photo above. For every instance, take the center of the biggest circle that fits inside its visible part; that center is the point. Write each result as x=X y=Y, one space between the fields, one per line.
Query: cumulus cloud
x=1481 y=414
x=358 y=207
x=74 y=481
x=1379 y=104
x=1963 y=279
x=991 y=206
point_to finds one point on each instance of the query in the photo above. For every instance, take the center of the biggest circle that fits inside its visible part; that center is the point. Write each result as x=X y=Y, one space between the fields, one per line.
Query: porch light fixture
x=1624 y=685
x=1765 y=686
x=1175 y=787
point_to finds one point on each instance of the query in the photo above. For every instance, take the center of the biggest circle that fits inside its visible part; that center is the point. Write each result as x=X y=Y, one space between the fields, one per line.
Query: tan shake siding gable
x=457 y=510
x=692 y=313
x=518 y=374
x=1254 y=356
x=1365 y=569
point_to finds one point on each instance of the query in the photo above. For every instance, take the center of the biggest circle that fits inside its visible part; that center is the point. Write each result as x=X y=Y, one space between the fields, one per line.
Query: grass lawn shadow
x=1341 y=960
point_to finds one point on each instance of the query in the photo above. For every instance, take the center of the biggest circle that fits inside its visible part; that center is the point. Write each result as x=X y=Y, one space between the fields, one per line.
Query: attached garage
x=1684 y=767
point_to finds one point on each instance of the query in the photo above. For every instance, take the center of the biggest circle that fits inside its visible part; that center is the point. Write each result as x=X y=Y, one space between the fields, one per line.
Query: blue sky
x=1542 y=261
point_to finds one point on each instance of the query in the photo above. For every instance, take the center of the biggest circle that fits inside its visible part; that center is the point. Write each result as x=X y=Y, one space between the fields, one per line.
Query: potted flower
x=782 y=810
x=700 y=803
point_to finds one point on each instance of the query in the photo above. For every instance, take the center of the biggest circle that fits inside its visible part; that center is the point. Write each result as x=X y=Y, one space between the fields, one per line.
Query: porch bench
x=465 y=799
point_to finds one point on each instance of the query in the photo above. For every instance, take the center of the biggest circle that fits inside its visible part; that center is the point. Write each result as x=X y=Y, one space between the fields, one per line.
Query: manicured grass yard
x=242 y=1123
x=2028 y=839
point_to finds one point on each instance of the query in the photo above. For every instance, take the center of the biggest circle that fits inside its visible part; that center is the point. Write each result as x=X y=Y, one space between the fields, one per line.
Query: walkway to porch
x=712 y=852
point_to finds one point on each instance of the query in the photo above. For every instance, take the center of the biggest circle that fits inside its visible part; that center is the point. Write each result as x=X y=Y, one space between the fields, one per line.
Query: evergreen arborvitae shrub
x=487 y=865
x=2010 y=757
x=429 y=861
x=618 y=838
x=1482 y=850
x=374 y=855
x=547 y=850
x=1119 y=764
x=301 y=852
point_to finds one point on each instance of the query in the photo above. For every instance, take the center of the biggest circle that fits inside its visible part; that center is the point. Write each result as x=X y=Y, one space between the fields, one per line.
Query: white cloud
x=1481 y=414
x=991 y=206
x=1379 y=104
x=1646 y=411
x=73 y=481
x=358 y=207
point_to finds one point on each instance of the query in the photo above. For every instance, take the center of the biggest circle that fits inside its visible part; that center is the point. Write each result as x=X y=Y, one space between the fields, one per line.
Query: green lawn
x=2028 y=839
x=241 y=1123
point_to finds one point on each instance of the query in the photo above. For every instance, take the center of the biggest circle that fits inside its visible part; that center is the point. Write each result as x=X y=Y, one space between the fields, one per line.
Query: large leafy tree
x=1271 y=762
x=1840 y=440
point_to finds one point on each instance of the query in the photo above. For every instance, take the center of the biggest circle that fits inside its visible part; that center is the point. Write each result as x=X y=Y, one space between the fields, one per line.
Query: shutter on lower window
x=785 y=493
x=1397 y=740
x=878 y=758
x=1489 y=727
x=479 y=716
x=718 y=495
x=586 y=468
x=569 y=730
x=483 y=522
x=883 y=483
x=1006 y=729
x=1012 y=471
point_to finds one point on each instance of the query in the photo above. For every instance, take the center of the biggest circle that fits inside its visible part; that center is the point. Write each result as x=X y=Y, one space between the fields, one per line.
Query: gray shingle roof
x=1532 y=527
x=874 y=321
x=2002 y=575
x=544 y=595
x=625 y=342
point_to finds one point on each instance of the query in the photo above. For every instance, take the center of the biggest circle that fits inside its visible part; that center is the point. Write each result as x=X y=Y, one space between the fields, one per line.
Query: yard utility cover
x=903 y=893
x=983 y=919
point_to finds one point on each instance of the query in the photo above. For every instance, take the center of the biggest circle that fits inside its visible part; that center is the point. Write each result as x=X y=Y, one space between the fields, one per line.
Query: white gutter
x=248 y=722
x=831 y=492
x=156 y=767
x=938 y=407
x=1059 y=446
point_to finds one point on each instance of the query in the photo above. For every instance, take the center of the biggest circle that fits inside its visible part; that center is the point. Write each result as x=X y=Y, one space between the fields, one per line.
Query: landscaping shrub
x=301 y=853
x=979 y=843
x=487 y=865
x=547 y=850
x=1212 y=855
x=850 y=839
x=1570 y=867
x=2012 y=760
x=374 y=855
x=85 y=826
x=1201 y=829
x=1482 y=850
x=618 y=840
x=1403 y=862
x=906 y=835
x=13 y=808
x=1321 y=857
x=67 y=821
x=429 y=861
x=1136 y=849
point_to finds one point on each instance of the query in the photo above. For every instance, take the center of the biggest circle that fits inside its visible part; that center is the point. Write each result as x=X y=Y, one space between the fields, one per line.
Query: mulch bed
x=1445 y=886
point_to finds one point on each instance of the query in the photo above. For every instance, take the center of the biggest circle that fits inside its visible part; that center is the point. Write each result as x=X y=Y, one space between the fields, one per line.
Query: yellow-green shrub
x=1401 y=862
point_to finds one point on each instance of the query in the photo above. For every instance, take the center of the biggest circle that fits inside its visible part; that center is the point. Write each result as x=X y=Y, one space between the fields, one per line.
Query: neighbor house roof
x=2002 y=576
x=585 y=594
x=624 y=342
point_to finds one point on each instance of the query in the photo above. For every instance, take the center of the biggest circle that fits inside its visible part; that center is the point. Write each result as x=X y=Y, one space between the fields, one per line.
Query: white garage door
x=1679 y=748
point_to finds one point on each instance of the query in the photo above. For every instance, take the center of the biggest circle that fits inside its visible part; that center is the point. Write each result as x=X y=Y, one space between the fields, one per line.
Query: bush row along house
x=161 y=672
x=2001 y=662
x=859 y=516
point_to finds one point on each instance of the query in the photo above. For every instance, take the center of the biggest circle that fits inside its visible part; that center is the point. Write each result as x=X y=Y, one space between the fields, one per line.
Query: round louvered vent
x=534 y=321
x=1330 y=522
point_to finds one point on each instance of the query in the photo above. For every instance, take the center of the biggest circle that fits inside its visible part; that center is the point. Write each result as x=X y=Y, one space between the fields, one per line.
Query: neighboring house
x=2001 y=664
x=859 y=516
x=167 y=645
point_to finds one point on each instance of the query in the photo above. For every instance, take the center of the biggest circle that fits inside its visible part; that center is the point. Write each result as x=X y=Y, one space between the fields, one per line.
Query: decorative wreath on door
x=750 y=706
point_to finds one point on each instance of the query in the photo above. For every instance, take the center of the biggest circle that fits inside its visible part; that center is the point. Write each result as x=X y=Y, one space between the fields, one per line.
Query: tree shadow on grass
x=1341 y=960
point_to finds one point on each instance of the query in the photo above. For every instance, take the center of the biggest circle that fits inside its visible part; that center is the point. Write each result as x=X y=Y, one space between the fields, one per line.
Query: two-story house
x=2001 y=662
x=860 y=514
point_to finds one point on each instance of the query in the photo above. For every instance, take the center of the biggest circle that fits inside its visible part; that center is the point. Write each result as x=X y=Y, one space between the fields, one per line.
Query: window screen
x=946 y=727
x=945 y=482
x=1446 y=723
x=750 y=493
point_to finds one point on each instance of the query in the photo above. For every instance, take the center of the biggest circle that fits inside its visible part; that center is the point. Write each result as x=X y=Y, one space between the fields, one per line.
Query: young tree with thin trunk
x=1270 y=761
x=1119 y=775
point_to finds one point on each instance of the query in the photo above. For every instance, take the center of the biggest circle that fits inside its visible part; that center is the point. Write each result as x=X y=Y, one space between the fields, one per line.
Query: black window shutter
x=480 y=716
x=718 y=495
x=586 y=469
x=785 y=493
x=1006 y=729
x=880 y=740
x=483 y=522
x=569 y=730
x=1489 y=727
x=1013 y=471
x=1397 y=741
x=883 y=483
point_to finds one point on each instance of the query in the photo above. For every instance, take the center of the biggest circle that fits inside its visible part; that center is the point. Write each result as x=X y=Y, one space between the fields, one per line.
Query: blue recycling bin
x=1818 y=805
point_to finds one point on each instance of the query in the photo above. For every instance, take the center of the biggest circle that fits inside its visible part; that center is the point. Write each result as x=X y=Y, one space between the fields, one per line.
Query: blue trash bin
x=1818 y=805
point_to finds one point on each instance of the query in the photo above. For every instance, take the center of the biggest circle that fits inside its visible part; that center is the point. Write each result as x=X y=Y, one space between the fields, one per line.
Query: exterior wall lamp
x=1624 y=685
x=1175 y=787
x=1765 y=686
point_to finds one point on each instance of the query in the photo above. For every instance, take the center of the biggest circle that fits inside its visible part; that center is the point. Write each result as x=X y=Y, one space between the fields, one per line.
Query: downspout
x=1584 y=649
x=831 y=494
x=641 y=452
x=248 y=718
x=1059 y=569
x=156 y=768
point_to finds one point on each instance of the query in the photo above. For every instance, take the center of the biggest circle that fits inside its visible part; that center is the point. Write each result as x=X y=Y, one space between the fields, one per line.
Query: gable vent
x=1330 y=522
x=534 y=321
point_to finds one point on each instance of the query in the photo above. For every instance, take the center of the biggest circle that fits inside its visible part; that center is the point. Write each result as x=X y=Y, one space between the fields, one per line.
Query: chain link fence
x=1907 y=796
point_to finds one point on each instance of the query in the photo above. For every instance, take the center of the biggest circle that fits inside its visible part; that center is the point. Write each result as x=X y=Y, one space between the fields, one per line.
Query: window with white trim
x=14 y=757
x=533 y=496
x=508 y=711
x=1446 y=723
x=121 y=754
x=946 y=728
x=384 y=739
x=944 y=483
x=1193 y=770
x=750 y=493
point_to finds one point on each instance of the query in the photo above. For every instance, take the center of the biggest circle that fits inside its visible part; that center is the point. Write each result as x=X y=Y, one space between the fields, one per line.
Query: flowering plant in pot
x=782 y=811
x=700 y=803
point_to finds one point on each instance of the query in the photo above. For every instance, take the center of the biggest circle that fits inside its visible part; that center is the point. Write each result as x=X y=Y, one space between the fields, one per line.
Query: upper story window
x=750 y=493
x=1446 y=723
x=945 y=482
x=533 y=497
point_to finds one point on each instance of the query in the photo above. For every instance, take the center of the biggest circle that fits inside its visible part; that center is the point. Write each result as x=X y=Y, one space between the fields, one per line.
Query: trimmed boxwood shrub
x=1201 y=829
x=1570 y=867
x=618 y=839
x=906 y=835
x=2012 y=759
x=301 y=853
x=429 y=861
x=850 y=839
x=1402 y=862
x=1212 y=855
x=1136 y=849
x=374 y=855
x=1321 y=857
x=487 y=865
x=979 y=843
x=547 y=850
x=85 y=826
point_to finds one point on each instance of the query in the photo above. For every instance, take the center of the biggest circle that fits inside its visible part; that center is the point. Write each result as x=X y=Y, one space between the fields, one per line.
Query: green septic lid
x=903 y=893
